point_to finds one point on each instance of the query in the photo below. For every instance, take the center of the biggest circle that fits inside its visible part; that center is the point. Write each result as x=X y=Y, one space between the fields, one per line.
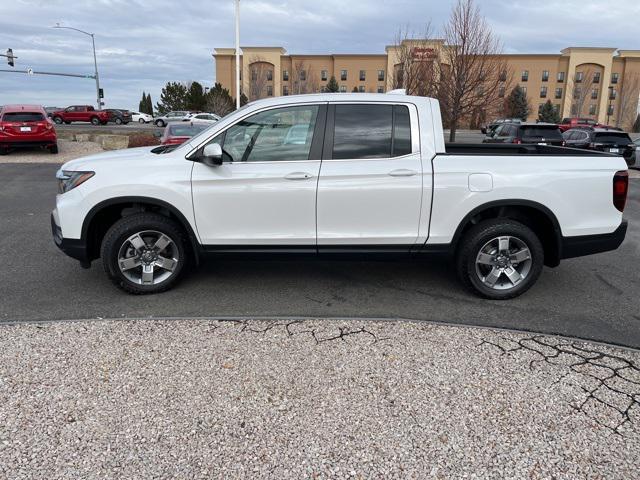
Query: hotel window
x=285 y=90
x=577 y=93
x=559 y=92
x=545 y=75
x=343 y=75
x=501 y=92
x=560 y=77
x=285 y=75
x=361 y=89
x=254 y=74
x=323 y=75
x=381 y=75
x=594 y=94
x=543 y=92
x=303 y=75
x=579 y=77
x=269 y=91
x=525 y=75
x=343 y=89
x=596 y=77
x=363 y=75
x=380 y=89
x=613 y=93
x=524 y=90
x=269 y=75
x=610 y=110
x=592 y=109
x=615 y=77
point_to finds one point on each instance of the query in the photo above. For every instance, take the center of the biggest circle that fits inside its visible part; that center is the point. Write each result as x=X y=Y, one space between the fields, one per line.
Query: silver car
x=176 y=116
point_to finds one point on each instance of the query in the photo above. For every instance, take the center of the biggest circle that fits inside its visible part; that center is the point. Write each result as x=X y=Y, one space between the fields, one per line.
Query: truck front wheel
x=500 y=259
x=144 y=253
x=95 y=121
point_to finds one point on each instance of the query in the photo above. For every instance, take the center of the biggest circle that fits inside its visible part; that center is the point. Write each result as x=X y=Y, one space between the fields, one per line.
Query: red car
x=569 y=123
x=178 y=132
x=26 y=126
x=81 y=113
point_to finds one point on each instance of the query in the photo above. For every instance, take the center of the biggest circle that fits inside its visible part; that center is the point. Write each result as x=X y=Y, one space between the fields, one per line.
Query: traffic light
x=10 y=57
x=101 y=93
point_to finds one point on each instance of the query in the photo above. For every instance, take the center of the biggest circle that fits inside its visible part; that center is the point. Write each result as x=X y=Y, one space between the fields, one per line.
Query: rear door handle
x=402 y=172
x=298 y=176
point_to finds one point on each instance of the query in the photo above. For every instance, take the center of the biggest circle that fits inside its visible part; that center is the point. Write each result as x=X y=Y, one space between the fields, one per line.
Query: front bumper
x=75 y=248
x=589 y=244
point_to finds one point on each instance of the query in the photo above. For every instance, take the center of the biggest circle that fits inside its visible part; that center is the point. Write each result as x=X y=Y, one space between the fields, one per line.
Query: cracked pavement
x=294 y=398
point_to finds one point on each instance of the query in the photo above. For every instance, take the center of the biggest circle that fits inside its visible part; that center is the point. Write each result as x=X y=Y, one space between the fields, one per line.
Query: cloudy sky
x=142 y=44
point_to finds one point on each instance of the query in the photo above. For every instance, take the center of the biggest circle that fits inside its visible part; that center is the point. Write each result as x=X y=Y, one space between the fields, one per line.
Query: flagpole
x=238 y=89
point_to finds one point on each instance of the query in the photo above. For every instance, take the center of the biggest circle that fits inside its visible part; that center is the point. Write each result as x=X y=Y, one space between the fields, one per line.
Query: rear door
x=371 y=178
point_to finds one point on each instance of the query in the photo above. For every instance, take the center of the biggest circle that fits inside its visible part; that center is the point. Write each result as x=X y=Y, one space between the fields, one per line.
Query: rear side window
x=23 y=117
x=612 y=137
x=540 y=132
x=371 y=131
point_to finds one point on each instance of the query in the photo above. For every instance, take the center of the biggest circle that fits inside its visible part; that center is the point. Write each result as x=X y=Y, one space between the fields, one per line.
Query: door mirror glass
x=212 y=154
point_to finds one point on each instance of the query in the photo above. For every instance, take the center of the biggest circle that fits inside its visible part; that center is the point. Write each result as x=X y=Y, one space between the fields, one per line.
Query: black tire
x=160 y=123
x=57 y=120
x=4 y=151
x=478 y=237
x=53 y=150
x=118 y=121
x=122 y=230
x=95 y=121
x=141 y=120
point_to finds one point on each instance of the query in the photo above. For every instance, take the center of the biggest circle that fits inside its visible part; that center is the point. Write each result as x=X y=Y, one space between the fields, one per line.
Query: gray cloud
x=142 y=44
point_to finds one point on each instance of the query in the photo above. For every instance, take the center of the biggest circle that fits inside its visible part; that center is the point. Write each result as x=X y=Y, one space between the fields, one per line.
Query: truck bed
x=513 y=149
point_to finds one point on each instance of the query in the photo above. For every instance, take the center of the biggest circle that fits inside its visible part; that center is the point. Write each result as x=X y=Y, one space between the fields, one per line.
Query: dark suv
x=536 y=133
x=119 y=117
x=602 y=140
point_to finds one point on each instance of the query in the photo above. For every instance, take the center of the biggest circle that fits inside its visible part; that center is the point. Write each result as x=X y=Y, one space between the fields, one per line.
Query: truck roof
x=339 y=97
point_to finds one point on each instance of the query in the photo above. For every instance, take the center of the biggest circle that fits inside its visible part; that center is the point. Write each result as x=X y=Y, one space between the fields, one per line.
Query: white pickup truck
x=339 y=174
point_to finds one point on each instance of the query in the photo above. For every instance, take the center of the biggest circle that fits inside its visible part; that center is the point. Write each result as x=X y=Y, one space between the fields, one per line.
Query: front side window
x=371 y=131
x=282 y=134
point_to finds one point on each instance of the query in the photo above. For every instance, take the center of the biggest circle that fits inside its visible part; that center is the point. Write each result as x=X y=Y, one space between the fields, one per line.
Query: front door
x=371 y=181
x=264 y=194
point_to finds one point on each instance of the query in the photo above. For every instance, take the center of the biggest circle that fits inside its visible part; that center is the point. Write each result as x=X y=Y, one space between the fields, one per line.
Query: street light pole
x=238 y=54
x=95 y=61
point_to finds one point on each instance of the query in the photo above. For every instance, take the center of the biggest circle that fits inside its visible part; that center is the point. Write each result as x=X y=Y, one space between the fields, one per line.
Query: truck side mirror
x=212 y=154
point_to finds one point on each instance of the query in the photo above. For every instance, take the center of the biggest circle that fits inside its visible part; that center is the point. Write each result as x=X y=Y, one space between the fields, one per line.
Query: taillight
x=564 y=144
x=620 y=189
x=517 y=141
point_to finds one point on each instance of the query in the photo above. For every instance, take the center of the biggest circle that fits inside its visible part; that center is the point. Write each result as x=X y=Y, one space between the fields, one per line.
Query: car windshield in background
x=612 y=137
x=541 y=132
x=22 y=117
x=186 y=130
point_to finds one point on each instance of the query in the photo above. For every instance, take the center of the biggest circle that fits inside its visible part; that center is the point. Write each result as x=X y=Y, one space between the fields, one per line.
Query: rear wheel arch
x=103 y=215
x=534 y=215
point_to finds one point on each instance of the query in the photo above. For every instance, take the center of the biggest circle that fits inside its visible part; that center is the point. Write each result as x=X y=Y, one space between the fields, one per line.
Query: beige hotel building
x=580 y=81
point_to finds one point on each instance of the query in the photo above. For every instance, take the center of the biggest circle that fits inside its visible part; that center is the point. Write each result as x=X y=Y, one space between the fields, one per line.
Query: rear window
x=186 y=130
x=612 y=137
x=23 y=117
x=541 y=132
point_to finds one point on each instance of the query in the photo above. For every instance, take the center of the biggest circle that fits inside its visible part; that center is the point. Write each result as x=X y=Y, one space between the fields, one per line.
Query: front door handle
x=298 y=176
x=402 y=172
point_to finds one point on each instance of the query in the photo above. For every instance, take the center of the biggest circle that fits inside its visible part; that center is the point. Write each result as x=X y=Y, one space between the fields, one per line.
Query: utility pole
x=238 y=90
x=95 y=62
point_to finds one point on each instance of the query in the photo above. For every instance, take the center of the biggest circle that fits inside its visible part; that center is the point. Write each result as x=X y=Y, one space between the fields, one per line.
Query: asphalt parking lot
x=594 y=298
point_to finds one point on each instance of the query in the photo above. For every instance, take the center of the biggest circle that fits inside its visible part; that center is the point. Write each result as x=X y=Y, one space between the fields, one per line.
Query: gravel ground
x=312 y=399
x=68 y=150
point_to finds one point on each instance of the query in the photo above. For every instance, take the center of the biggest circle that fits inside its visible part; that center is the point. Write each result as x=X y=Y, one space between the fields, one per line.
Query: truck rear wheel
x=499 y=259
x=144 y=253
x=95 y=121
x=57 y=120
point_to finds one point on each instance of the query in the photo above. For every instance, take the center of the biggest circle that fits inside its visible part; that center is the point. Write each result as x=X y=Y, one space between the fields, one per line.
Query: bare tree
x=416 y=67
x=259 y=78
x=582 y=83
x=629 y=101
x=303 y=80
x=472 y=67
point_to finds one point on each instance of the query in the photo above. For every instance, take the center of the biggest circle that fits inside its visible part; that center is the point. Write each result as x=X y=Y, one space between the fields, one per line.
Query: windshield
x=612 y=137
x=23 y=117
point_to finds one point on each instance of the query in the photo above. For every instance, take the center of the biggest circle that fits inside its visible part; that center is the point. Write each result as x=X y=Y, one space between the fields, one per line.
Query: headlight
x=68 y=180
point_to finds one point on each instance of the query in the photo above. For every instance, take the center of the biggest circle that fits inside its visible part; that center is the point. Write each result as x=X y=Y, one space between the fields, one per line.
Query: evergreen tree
x=219 y=100
x=636 y=125
x=548 y=113
x=332 y=85
x=173 y=97
x=517 y=105
x=142 y=105
x=148 y=105
x=196 y=100
x=243 y=100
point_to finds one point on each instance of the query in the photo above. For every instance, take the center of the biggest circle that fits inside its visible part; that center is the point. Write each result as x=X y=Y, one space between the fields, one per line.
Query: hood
x=98 y=160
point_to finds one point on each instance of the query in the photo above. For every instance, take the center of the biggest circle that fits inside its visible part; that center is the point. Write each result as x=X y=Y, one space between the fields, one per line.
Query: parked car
x=201 y=117
x=51 y=110
x=80 y=113
x=26 y=126
x=373 y=176
x=119 y=117
x=602 y=140
x=523 y=133
x=575 y=122
x=496 y=123
x=176 y=116
x=177 y=133
x=141 y=117
x=637 y=144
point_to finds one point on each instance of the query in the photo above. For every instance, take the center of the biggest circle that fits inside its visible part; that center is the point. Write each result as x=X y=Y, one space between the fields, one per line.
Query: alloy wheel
x=148 y=257
x=503 y=263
